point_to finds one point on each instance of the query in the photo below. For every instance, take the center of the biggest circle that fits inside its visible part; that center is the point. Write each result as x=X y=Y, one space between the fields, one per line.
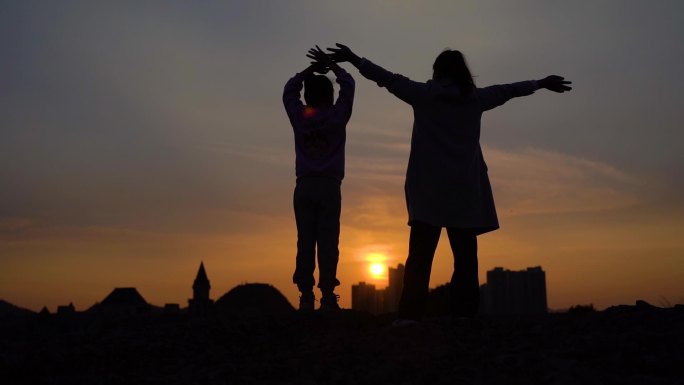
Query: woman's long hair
x=451 y=65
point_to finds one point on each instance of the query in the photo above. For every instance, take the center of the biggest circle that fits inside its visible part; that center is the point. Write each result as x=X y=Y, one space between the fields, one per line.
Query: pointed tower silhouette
x=200 y=303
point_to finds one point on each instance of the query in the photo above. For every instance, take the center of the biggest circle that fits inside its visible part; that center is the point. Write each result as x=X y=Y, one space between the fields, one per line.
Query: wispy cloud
x=275 y=156
x=525 y=181
x=536 y=181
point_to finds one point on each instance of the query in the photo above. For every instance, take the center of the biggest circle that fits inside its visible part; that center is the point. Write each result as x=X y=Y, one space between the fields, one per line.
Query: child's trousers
x=317 y=206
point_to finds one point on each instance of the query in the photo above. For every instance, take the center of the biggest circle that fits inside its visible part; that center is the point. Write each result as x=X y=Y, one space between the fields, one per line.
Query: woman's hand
x=555 y=83
x=343 y=53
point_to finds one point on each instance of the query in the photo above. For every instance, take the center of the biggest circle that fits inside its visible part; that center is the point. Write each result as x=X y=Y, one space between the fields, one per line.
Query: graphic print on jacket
x=315 y=144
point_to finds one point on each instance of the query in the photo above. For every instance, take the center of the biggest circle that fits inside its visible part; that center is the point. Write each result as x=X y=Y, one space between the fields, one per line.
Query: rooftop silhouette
x=8 y=309
x=254 y=299
x=200 y=303
x=122 y=301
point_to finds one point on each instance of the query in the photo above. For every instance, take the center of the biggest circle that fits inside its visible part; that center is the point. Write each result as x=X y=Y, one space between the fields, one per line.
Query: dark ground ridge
x=621 y=345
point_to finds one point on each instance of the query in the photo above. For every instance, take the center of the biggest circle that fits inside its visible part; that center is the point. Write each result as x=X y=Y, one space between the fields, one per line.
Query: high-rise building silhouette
x=514 y=292
x=365 y=297
x=396 y=285
x=200 y=303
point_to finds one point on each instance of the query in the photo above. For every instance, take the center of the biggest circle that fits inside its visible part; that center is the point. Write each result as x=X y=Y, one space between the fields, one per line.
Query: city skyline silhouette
x=128 y=301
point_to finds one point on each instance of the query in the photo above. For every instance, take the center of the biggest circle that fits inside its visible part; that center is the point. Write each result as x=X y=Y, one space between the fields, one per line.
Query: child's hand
x=319 y=67
x=320 y=57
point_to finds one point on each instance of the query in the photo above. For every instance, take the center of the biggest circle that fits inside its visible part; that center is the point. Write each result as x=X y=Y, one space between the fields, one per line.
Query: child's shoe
x=306 y=301
x=329 y=302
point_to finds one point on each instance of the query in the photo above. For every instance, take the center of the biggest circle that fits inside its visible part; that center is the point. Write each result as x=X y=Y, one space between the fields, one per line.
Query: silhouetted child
x=320 y=135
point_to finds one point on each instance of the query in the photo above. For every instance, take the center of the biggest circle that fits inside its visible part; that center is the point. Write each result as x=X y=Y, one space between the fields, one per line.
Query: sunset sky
x=140 y=138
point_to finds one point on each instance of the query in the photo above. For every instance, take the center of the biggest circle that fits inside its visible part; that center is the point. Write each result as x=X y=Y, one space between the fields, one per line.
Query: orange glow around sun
x=377 y=265
x=376 y=270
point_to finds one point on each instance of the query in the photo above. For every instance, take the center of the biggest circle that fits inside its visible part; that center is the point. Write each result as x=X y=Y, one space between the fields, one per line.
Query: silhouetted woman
x=446 y=180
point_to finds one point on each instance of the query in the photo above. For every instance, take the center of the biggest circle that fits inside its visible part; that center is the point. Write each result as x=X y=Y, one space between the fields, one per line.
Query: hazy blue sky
x=138 y=138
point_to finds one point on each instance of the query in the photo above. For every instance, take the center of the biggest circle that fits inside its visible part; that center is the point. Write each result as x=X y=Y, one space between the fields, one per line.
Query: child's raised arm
x=292 y=92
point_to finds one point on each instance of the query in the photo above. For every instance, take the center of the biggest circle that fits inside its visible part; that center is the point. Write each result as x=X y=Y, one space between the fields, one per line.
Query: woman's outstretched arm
x=494 y=96
x=399 y=85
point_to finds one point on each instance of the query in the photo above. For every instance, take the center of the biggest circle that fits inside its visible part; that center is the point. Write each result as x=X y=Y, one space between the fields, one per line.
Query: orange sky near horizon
x=586 y=256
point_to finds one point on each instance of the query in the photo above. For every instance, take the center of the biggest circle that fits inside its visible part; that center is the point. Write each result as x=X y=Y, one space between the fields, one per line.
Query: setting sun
x=376 y=270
